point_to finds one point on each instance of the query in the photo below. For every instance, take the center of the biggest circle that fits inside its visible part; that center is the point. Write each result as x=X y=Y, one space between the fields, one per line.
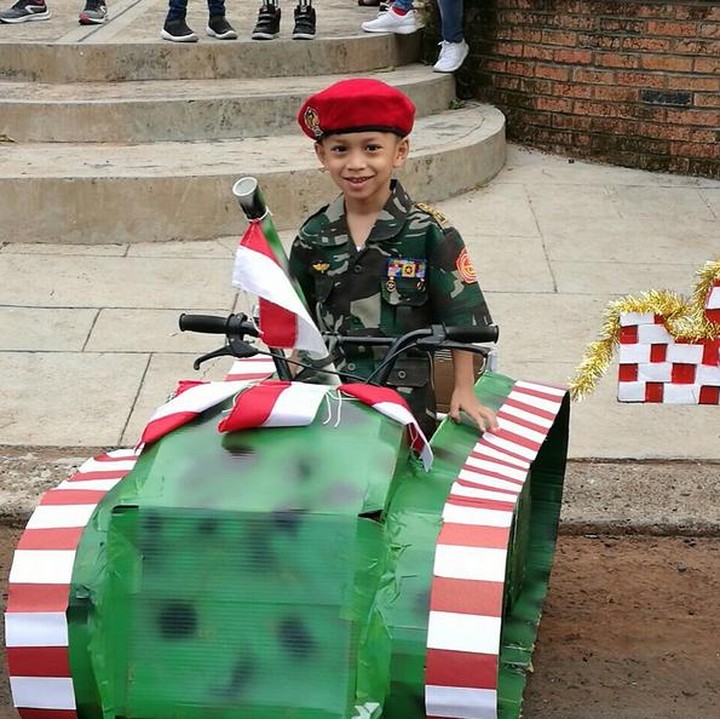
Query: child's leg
x=451 y=20
x=177 y=10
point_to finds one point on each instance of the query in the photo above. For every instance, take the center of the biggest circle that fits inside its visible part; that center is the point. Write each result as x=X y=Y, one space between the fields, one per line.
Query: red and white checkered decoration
x=468 y=583
x=655 y=367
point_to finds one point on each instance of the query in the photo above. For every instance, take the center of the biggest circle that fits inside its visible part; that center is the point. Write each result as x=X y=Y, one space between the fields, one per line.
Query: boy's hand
x=465 y=400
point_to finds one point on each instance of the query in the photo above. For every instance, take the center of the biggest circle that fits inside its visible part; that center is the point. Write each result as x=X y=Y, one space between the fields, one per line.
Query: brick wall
x=632 y=83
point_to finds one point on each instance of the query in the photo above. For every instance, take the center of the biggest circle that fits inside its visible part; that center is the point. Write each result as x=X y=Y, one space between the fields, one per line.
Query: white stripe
x=297 y=405
x=42 y=566
x=456 y=514
x=530 y=400
x=491 y=453
x=655 y=372
x=257 y=273
x=631 y=391
x=460 y=702
x=482 y=480
x=496 y=467
x=527 y=416
x=100 y=484
x=460 y=490
x=117 y=454
x=395 y=411
x=628 y=319
x=554 y=391
x=36 y=629
x=633 y=354
x=684 y=354
x=93 y=465
x=43 y=692
x=510 y=446
x=707 y=374
x=58 y=516
x=199 y=398
x=242 y=367
x=478 y=563
x=521 y=430
x=653 y=335
x=713 y=302
x=681 y=394
x=464 y=632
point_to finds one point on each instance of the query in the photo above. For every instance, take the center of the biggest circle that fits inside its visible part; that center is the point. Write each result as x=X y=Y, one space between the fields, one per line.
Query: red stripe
x=254 y=239
x=446 y=668
x=38 y=597
x=253 y=406
x=478 y=453
x=60 y=538
x=628 y=335
x=38 y=661
x=711 y=352
x=517 y=439
x=522 y=422
x=110 y=474
x=479 y=485
x=73 y=496
x=709 y=395
x=658 y=352
x=504 y=450
x=536 y=393
x=480 y=503
x=628 y=373
x=654 y=392
x=470 y=535
x=514 y=402
x=157 y=428
x=492 y=473
x=278 y=326
x=47 y=713
x=467 y=596
x=683 y=373
x=255 y=375
x=105 y=457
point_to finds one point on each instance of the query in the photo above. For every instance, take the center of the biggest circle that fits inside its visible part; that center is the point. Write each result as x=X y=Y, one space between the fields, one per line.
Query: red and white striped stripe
x=654 y=367
x=36 y=631
x=466 y=595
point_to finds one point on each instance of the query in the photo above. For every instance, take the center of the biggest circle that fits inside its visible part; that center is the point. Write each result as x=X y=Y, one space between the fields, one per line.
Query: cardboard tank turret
x=304 y=572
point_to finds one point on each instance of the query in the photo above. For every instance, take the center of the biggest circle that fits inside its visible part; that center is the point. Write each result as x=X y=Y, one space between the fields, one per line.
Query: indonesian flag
x=391 y=404
x=189 y=400
x=284 y=320
x=275 y=403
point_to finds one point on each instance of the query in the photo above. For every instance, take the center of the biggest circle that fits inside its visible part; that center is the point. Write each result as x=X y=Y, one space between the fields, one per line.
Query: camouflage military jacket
x=411 y=272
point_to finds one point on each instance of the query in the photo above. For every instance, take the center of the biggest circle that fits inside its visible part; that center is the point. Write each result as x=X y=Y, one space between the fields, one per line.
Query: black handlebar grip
x=209 y=324
x=469 y=334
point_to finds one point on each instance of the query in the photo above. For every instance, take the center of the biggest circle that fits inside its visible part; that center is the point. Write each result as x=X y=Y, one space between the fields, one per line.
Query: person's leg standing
x=218 y=26
x=453 y=48
x=399 y=18
x=175 y=28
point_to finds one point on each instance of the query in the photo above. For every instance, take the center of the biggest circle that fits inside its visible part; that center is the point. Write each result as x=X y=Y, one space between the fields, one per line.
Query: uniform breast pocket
x=323 y=286
x=407 y=291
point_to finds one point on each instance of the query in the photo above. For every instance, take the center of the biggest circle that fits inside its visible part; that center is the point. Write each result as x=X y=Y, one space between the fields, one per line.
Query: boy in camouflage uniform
x=372 y=261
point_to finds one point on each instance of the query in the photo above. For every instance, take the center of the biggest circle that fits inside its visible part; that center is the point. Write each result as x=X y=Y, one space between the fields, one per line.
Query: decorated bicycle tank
x=284 y=549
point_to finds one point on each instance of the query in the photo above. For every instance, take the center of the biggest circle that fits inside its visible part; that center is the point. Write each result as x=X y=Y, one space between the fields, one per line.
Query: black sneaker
x=25 y=11
x=268 y=23
x=178 y=31
x=304 y=23
x=220 y=28
x=95 y=13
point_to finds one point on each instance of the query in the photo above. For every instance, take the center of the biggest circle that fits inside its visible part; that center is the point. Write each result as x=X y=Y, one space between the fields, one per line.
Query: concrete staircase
x=113 y=135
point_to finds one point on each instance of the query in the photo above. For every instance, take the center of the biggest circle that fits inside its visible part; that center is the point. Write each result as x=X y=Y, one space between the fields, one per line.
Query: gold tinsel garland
x=685 y=320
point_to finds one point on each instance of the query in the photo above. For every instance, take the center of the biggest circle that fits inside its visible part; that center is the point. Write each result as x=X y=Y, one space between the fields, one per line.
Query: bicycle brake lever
x=221 y=352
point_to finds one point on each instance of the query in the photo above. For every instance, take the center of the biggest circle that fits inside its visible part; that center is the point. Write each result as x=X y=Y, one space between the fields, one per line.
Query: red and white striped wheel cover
x=36 y=631
x=466 y=593
x=655 y=367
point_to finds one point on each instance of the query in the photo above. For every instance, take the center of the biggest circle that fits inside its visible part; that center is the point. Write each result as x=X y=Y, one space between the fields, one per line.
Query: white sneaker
x=452 y=55
x=390 y=21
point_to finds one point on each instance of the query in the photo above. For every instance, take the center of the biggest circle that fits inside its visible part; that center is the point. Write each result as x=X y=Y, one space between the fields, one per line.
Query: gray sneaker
x=95 y=13
x=26 y=11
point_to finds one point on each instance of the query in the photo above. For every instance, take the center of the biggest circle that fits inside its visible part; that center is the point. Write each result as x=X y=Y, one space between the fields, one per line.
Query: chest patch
x=321 y=266
x=406 y=267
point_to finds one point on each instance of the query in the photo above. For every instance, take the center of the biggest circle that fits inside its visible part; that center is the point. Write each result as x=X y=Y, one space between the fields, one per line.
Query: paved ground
x=89 y=344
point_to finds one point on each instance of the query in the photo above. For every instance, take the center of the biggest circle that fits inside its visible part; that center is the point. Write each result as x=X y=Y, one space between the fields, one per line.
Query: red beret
x=358 y=105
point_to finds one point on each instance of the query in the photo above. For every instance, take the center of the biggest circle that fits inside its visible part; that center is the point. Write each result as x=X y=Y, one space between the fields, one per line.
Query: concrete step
x=178 y=110
x=128 y=47
x=99 y=193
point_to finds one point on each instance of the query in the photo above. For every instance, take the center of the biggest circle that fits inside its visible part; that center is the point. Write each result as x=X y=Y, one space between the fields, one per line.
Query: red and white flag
x=284 y=320
x=391 y=404
x=189 y=400
x=275 y=403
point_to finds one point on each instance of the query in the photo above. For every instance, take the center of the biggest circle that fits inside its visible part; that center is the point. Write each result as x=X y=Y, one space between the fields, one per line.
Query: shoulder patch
x=464 y=266
x=433 y=212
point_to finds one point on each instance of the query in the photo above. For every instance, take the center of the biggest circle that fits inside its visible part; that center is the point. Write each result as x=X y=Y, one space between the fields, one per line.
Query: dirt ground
x=631 y=629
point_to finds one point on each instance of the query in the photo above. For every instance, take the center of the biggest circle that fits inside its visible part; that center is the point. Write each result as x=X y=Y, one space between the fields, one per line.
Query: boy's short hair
x=357 y=105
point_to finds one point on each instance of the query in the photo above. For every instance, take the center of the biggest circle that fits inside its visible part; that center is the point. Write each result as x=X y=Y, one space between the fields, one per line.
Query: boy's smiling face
x=361 y=164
